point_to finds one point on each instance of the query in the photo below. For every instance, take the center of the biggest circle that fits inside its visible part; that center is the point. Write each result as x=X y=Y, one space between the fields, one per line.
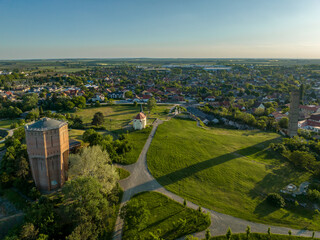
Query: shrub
x=314 y=195
x=276 y=200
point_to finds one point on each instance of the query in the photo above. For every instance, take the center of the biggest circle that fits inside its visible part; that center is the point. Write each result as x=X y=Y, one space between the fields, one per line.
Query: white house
x=210 y=99
x=140 y=121
x=98 y=97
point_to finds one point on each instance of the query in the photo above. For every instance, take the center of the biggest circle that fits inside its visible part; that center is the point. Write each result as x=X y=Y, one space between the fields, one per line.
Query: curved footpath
x=141 y=180
x=10 y=133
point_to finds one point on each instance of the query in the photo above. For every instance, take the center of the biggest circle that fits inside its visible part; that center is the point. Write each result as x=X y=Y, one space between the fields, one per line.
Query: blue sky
x=162 y=28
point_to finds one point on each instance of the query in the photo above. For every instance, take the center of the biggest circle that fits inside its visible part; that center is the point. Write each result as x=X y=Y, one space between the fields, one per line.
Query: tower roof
x=140 y=116
x=46 y=124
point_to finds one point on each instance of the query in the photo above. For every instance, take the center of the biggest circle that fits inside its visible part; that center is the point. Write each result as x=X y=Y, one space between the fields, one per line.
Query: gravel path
x=10 y=133
x=141 y=180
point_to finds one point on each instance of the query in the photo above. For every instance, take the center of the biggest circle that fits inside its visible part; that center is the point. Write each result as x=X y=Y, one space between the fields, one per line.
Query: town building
x=48 y=150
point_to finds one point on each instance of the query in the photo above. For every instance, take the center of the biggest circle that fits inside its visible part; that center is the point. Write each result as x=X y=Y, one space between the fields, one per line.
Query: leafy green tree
x=208 y=234
x=29 y=101
x=98 y=119
x=303 y=159
x=88 y=209
x=93 y=162
x=129 y=94
x=28 y=232
x=79 y=101
x=135 y=214
x=151 y=104
x=248 y=231
x=284 y=122
x=276 y=200
x=229 y=234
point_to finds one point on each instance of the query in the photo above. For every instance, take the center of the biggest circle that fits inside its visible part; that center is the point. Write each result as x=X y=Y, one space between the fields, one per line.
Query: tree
x=93 y=162
x=208 y=234
x=284 y=122
x=87 y=207
x=29 y=101
x=79 y=101
x=151 y=104
x=98 y=119
x=128 y=94
x=303 y=159
x=92 y=137
x=276 y=200
x=248 y=231
x=135 y=214
x=69 y=105
x=229 y=233
x=28 y=232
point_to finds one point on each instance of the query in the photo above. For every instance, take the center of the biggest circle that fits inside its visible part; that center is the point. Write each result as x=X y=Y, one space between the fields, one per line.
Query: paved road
x=10 y=133
x=141 y=180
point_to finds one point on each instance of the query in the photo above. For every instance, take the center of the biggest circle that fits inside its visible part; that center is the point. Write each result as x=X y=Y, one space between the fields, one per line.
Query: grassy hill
x=168 y=219
x=229 y=171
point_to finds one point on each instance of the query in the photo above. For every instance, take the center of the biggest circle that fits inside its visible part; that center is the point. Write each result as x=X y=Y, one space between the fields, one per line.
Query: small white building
x=140 y=121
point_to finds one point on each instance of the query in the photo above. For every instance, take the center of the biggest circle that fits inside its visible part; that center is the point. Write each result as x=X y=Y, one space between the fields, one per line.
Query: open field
x=229 y=171
x=164 y=218
x=117 y=117
x=136 y=139
x=6 y=123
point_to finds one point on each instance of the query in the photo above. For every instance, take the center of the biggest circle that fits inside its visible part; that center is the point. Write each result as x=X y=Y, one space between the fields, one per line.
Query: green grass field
x=137 y=139
x=123 y=173
x=6 y=123
x=117 y=117
x=229 y=171
x=164 y=218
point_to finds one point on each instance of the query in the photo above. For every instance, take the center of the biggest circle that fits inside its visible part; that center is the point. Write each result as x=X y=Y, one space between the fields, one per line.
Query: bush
x=314 y=195
x=276 y=200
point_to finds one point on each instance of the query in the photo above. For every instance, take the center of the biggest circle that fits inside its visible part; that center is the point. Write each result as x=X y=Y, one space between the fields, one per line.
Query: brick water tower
x=48 y=150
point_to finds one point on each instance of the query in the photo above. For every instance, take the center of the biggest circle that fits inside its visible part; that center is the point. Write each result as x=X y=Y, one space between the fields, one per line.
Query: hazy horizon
x=285 y=29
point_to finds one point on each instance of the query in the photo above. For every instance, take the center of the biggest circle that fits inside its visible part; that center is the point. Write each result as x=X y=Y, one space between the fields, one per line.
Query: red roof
x=140 y=116
x=315 y=117
x=309 y=107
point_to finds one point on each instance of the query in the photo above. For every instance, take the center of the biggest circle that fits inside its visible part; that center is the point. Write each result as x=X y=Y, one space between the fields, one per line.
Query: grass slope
x=137 y=139
x=164 y=218
x=229 y=171
x=118 y=117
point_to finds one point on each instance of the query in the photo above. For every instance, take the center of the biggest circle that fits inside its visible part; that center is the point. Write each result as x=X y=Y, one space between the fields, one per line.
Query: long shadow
x=182 y=173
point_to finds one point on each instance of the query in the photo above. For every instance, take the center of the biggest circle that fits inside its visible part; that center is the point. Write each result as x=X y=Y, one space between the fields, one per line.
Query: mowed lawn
x=117 y=117
x=168 y=219
x=230 y=171
x=137 y=139
x=7 y=123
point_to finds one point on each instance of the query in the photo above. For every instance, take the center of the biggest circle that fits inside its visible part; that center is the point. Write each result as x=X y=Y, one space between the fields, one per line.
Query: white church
x=140 y=121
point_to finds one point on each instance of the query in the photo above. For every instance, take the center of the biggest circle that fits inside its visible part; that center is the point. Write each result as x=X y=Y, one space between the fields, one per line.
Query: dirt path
x=141 y=180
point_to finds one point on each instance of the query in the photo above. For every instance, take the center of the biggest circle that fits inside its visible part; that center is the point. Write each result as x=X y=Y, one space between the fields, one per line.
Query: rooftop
x=46 y=124
x=140 y=116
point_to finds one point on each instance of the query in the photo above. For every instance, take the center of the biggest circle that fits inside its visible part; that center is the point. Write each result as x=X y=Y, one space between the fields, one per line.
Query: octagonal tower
x=48 y=150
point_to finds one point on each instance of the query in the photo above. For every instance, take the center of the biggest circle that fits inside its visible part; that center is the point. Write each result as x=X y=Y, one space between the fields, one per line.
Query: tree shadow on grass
x=186 y=172
x=264 y=209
